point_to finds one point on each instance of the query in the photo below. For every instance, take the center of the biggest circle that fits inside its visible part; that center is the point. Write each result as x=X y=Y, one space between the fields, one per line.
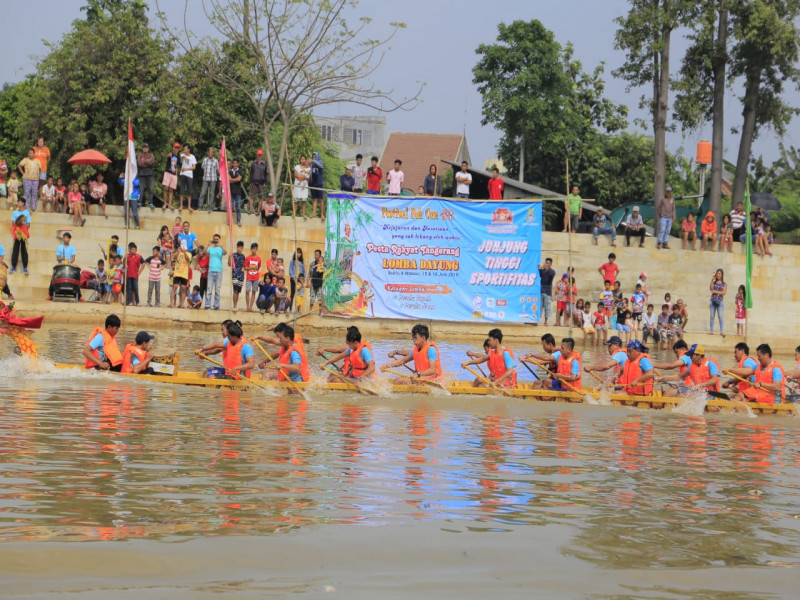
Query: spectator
x=359 y=175
x=496 y=185
x=317 y=271
x=760 y=232
x=101 y=281
x=270 y=211
x=186 y=180
x=195 y=299
x=272 y=264
x=42 y=154
x=609 y=270
x=634 y=226
x=740 y=314
x=209 y=188
x=20 y=232
x=154 y=264
x=601 y=227
x=170 y=180
x=202 y=266
x=663 y=323
x=726 y=234
x=317 y=184
x=215 y=253
x=463 y=181
x=347 y=182
x=75 y=202
x=300 y=296
x=677 y=324
x=718 y=289
x=235 y=179
x=61 y=196
x=573 y=210
x=624 y=320
x=237 y=273
x=48 y=194
x=117 y=275
x=374 y=177
x=546 y=277
x=98 y=192
x=689 y=232
x=13 y=188
x=258 y=179
x=188 y=236
x=562 y=296
x=302 y=175
x=421 y=191
x=432 y=186
x=252 y=265
x=133 y=200
x=180 y=274
x=638 y=301
x=297 y=268
x=617 y=296
x=4 y=274
x=684 y=312
x=738 y=221
x=30 y=168
x=266 y=294
x=395 y=178
x=282 y=301
x=708 y=232
x=3 y=180
x=145 y=163
x=177 y=229
x=599 y=322
x=642 y=281
x=665 y=217
x=165 y=243
x=650 y=325
x=134 y=265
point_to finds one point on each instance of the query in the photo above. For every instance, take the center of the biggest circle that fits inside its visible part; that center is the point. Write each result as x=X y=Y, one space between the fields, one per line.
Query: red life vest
x=354 y=365
x=564 y=367
x=286 y=359
x=700 y=374
x=421 y=362
x=130 y=350
x=497 y=367
x=631 y=372
x=232 y=357
x=110 y=349
x=764 y=375
x=743 y=387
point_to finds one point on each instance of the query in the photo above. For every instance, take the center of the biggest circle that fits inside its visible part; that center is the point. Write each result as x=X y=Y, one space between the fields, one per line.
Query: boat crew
x=770 y=382
x=299 y=342
x=568 y=368
x=705 y=371
x=683 y=363
x=550 y=359
x=359 y=361
x=425 y=354
x=291 y=356
x=101 y=350
x=745 y=368
x=137 y=356
x=618 y=357
x=502 y=365
x=216 y=348
x=637 y=375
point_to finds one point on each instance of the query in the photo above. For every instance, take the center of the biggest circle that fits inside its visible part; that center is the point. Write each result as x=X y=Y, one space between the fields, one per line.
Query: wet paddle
x=281 y=371
x=348 y=380
x=487 y=382
x=417 y=379
x=557 y=376
x=240 y=376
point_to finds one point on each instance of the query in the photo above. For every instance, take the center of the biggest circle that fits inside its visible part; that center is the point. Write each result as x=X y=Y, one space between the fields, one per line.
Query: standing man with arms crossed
x=546 y=276
x=145 y=162
x=665 y=213
x=258 y=179
x=463 y=181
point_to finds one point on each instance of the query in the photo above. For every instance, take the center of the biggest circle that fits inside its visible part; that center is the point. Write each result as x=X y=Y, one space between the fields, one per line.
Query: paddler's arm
x=330 y=349
x=545 y=358
x=477 y=359
x=249 y=364
x=144 y=364
x=336 y=358
x=676 y=364
x=267 y=339
x=794 y=374
x=741 y=372
x=396 y=353
x=397 y=363
x=212 y=348
x=431 y=370
x=268 y=364
x=509 y=372
x=370 y=371
x=646 y=376
x=601 y=367
x=87 y=354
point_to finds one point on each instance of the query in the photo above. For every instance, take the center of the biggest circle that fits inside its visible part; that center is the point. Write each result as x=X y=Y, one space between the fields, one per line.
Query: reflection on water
x=87 y=457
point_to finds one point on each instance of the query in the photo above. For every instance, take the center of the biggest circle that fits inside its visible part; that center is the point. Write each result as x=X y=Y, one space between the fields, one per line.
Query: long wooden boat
x=465 y=388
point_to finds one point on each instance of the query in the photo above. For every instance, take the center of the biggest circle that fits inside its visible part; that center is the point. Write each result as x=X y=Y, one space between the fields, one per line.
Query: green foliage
x=12 y=147
x=788 y=217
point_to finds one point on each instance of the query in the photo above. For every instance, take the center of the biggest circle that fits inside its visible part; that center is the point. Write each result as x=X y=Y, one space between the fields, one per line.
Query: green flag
x=748 y=298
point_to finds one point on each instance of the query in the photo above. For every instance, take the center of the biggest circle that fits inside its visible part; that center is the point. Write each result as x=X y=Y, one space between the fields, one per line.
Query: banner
x=429 y=258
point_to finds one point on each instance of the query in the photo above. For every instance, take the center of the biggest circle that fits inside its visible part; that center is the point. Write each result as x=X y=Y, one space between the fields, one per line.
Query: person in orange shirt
x=42 y=154
x=708 y=232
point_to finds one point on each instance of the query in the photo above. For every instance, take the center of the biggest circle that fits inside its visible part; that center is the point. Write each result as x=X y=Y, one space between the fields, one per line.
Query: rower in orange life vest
x=705 y=371
x=745 y=368
x=425 y=354
x=216 y=348
x=550 y=358
x=101 y=350
x=770 y=380
x=683 y=363
x=291 y=357
x=237 y=354
x=502 y=366
x=268 y=339
x=568 y=368
x=359 y=362
x=618 y=358
x=637 y=376
x=338 y=350
x=137 y=356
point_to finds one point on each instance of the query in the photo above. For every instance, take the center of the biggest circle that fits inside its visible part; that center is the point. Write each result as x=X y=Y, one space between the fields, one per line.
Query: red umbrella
x=89 y=157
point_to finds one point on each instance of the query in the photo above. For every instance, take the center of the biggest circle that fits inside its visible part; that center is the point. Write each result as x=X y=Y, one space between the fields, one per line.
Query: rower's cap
x=696 y=349
x=143 y=337
x=635 y=209
x=614 y=339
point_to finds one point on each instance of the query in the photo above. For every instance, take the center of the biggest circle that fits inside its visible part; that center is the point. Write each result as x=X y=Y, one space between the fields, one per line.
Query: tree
x=12 y=146
x=645 y=35
x=765 y=54
x=294 y=57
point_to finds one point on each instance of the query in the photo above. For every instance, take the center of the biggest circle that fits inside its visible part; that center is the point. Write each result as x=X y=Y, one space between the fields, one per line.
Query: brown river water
x=112 y=489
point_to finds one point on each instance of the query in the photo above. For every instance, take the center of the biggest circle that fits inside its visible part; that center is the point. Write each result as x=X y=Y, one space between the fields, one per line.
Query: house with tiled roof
x=419 y=151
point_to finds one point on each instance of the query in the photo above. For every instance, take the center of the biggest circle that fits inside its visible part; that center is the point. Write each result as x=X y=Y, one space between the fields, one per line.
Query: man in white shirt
x=209 y=187
x=359 y=175
x=634 y=226
x=463 y=181
x=48 y=193
x=302 y=173
x=186 y=180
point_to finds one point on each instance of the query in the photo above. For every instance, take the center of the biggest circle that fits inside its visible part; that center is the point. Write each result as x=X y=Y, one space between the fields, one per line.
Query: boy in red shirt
x=609 y=270
x=252 y=265
x=134 y=265
x=374 y=177
x=496 y=185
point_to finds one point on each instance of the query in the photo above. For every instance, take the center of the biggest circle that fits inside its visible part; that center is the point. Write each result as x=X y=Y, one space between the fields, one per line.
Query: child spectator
x=676 y=323
x=609 y=270
x=61 y=196
x=618 y=296
x=708 y=232
x=118 y=278
x=177 y=228
x=49 y=195
x=602 y=227
x=155 y=264
x=623 y=318
x=740 y=315
x=562 y=293
x=237 y=273
x=649 y=325
x=316 y=272
x=75 y=199
x=266 y=294
x=270 y=211
x=642 y=281
x=599 y=322
x=13 y=188
x=683 y=311
x=607 y=298
x=272 y=265
x=689 y=232
x=664 y=328
x=252 y=266
x=395 y=178
x=726 y=234
x=166 y=245
x=761 y=246
x=203 y=260
x=588 y=324
x=300 y=294
x=195 y=300
x=134 y=265
x=101 y=281
x=668 y=300
x=282 y=303
x=577 y=314
x=638 y=305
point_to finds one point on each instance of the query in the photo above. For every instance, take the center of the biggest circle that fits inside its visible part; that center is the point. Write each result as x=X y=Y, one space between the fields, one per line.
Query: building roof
x=513 y=189
x=419 y=151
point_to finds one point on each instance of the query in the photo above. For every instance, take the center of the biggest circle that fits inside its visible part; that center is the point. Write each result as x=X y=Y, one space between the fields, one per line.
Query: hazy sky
x=437 y=47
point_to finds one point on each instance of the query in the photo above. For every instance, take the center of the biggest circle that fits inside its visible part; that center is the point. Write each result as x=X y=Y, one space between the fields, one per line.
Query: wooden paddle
x=417 y=379
x=284 y=373
x=348 y=380
x=535 y=376
x=242 y=377
x=488 y=382
x=593 y=374
x=557 y=376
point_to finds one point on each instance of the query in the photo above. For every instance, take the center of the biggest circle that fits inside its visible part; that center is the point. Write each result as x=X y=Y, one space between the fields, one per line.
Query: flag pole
x=748 y=299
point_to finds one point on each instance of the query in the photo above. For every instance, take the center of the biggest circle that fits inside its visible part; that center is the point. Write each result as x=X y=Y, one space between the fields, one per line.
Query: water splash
x=42 y=369
x=693 y=404
x=602 y=398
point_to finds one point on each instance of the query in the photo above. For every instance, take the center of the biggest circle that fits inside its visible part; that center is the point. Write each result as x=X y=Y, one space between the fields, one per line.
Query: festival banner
x=430 y=258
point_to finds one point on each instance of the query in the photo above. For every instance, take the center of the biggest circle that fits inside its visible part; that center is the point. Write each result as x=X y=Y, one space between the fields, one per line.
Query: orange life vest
x=764 y=375
x=743 y=387
x=564 y=367
x=700 y=374
x=130 y=350
x=421 y=362
x=232 y=357
x=110 y=349
x=497 y=367
x=286 y=359
x=631 y=372
x=354 y=365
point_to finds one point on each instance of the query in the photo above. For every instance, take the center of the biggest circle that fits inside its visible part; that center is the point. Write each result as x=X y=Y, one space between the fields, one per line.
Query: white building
x=354 y=135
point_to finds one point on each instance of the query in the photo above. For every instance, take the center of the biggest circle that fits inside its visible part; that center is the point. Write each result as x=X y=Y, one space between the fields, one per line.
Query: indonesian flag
x=225 y=184
x=130 y=168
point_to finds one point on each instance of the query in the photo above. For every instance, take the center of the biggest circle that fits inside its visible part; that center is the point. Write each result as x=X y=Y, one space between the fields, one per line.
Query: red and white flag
x=130 y=168
x=225 y=183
